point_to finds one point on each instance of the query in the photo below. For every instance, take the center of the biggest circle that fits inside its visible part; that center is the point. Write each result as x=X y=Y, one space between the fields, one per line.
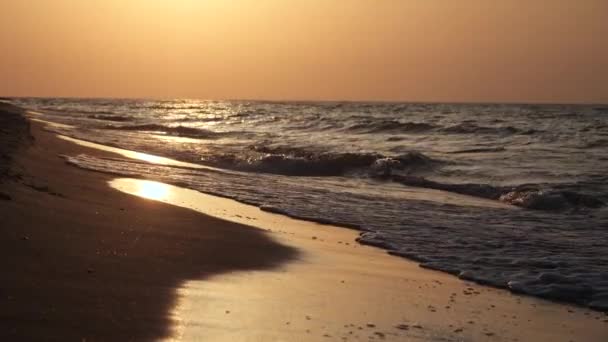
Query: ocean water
x=513 y=196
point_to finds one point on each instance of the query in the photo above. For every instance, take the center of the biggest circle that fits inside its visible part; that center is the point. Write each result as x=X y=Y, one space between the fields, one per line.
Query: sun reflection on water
x=149 y=158
x=153 y=190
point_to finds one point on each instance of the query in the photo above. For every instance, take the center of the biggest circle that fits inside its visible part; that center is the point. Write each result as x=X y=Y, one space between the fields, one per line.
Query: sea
x=508 y=195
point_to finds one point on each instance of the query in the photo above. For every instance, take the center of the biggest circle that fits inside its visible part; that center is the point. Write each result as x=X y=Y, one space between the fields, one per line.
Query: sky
x=378 y=50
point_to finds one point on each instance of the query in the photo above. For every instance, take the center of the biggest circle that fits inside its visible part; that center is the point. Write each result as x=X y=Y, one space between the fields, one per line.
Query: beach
x=85 y=261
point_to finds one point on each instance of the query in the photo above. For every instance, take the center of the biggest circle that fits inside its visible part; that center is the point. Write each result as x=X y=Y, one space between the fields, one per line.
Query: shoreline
x=84 y=261
x=286 y=275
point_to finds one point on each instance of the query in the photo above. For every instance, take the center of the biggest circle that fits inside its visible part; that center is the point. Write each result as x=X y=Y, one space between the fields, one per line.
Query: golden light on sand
x=153 y=190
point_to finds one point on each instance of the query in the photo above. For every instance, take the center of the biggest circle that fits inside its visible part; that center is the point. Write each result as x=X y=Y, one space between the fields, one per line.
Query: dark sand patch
x=14 y=135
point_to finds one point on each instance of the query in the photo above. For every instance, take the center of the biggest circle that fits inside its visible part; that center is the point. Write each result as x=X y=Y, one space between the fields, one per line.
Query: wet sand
x=83 y=260
x=340 y=290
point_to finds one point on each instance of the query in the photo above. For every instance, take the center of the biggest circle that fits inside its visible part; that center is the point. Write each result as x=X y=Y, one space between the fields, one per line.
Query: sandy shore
x=83 y=260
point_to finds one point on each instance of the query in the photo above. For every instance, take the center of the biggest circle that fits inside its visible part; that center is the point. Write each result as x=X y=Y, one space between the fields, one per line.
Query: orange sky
x=412 y=50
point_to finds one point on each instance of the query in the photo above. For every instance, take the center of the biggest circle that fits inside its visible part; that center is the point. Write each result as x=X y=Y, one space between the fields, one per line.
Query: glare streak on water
x=354 y=164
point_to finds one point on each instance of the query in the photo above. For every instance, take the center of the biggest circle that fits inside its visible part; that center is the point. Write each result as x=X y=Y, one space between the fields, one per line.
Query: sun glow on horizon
x=402 y=50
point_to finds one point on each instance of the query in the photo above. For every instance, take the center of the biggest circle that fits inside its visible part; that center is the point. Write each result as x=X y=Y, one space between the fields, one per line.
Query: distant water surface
x=541 y=171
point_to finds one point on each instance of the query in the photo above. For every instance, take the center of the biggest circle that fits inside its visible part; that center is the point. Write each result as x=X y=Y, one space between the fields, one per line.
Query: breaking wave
x=298 y=162
x=181 y=131
x=530 y=196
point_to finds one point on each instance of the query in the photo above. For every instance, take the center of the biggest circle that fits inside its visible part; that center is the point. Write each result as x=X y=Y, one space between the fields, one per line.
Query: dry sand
x=82 y=260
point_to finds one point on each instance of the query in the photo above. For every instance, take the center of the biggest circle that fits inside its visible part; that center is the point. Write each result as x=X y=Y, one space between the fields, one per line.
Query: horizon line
x=316 y=101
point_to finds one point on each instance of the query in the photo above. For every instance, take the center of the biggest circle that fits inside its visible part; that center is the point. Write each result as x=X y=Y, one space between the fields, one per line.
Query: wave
x=114 y=118
x=480 y=150
x=528 y=196
x=598 y=143
x=200 y=108
x=301 y=162
x=199 y=119
x=373 y=126
x=467 y=127
x=93 y=111
x=476 y=190
x=550 y=199
x=181 y=131
x=470 y=128
x=76 y=109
